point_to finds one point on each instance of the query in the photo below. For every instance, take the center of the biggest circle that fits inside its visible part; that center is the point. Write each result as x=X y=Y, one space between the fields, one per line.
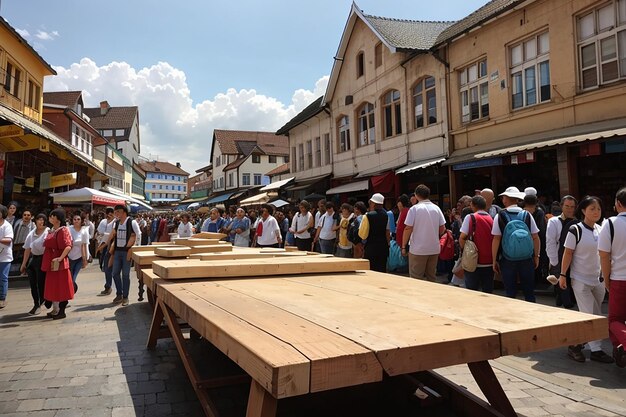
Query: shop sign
x=11 y=131
x=44 y=145
x=44 y=180
x=63 y=179
x=477 y=164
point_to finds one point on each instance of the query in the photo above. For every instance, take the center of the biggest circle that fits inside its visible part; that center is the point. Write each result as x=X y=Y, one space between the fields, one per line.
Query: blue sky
x=207 y=52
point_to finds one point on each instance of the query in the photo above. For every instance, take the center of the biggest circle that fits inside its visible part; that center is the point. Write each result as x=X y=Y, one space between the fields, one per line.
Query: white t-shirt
x=585 y=266
x=268 y=234
x=90 y=228
x=104 y=230
x=617 y=249
x=425 y=218
x=184 y=230
x=300 y=222
x=79 y=238
x=6 y=251
x=35 y=243
x=513 y=209
x=122 y=229
x=326 y=223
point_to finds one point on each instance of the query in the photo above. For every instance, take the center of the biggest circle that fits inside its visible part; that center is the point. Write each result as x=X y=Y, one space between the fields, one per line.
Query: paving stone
x=31 y=405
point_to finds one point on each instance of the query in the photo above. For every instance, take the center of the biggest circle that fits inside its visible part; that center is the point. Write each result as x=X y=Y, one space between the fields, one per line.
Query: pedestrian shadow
x=21 y=318
x=94 y=307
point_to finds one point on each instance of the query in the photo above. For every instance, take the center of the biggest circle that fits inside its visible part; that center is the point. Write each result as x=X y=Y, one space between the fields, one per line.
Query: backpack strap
x=577 y=231
x=611 y=230
x=472 y=226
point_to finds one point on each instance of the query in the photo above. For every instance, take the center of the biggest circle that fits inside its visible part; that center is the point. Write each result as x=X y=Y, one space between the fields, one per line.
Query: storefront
x=430 y=173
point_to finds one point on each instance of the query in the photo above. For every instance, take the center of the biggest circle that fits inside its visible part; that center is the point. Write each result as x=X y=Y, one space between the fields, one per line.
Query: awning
x=573 y=134
x=193 y=205
x=419 y=165
x=383 y=183
x=350 y=187
x=305 y=183
x=32 y=128
x=237 y=195
x=279 y=203
x=195 y=200
x=277 y=184
x=220 y=198
x=166 y=200
x=255 y=199
x=86 y=195
x=126 y=197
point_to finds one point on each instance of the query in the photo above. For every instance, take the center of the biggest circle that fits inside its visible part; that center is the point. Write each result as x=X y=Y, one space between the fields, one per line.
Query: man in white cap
x=425 y=225
x=374 y=230
x=515 y=246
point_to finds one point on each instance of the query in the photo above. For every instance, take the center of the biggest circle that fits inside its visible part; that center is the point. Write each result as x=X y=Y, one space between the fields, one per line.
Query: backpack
x=353 y=231
x=517 y=242
x=446 y=246
x=469 y=258
x=565 y=227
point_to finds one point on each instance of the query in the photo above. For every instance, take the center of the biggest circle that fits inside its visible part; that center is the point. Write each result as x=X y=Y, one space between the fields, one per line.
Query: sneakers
x=52 y=314
x=600 y=356
x=124 y=301
x=619 y=356
x=118 y=299
x=3 y=303
x=576 y=353
x=106 y=291
x=34 y=311
x=59 y=316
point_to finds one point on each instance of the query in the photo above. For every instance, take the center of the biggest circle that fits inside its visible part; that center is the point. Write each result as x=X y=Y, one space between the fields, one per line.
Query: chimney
x=177 y=164
x=104 y=107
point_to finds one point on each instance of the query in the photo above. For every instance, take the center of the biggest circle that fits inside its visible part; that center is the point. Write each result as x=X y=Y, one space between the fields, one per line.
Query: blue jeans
x=75 y=267
x=482 y=277
x=5 y=267
x=108 y=271
x=327 y=246
x=525 y=270
x=121 y=266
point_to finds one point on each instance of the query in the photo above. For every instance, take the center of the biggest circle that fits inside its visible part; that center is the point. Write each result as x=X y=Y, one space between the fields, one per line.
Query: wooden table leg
x=151 y=298
x=490 y=386
x=260 y=402
x=140 y=279
x=155 y=327
x=170 y=318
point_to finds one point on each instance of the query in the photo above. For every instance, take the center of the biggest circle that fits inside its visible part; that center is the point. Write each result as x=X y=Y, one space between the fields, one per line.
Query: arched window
x=425 y=103
x=391 y=113
x=367 y=130
x=344 y=134
x=360 y=64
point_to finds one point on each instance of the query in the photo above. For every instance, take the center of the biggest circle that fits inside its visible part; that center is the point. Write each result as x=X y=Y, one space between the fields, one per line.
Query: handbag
x=469 y=257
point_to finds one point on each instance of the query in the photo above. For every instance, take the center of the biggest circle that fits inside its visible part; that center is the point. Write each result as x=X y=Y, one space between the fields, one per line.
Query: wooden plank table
x=299 y=334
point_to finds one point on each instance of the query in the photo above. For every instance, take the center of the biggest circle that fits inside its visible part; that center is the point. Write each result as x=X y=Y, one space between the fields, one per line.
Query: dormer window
x=360 y=64
x=256 y=159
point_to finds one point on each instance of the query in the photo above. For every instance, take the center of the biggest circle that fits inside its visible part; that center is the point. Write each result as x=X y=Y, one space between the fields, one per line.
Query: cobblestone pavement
x=94 y=363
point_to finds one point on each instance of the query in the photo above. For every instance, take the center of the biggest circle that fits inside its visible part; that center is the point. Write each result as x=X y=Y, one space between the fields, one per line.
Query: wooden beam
x=192 y=268
x=196 y=242
x=209 y=235
x=238 y=255
x=490 y=386
x=260 y=402
x=173 y=252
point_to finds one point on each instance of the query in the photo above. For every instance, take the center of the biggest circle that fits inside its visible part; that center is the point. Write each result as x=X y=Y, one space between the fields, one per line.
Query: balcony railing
x=82 y=145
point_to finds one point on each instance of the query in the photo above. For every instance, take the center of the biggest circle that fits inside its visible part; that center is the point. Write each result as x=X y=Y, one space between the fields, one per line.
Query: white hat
x=513 y=192
x=530 y=191
x=378 y=198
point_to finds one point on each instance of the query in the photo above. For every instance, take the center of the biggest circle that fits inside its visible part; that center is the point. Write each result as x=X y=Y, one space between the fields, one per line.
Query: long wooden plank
x=209 y=235
x=405 y=340
x=523 y=327
x=220 y=247
x=238 y=255
x=148 y=248
x=192 y=268
x=279 y=368
x=173 y=252
x=335 y=361
x=144 y=258
x=196 y=242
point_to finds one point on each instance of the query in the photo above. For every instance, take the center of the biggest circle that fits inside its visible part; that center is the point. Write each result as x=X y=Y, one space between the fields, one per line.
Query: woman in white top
x=78 y=254
x=185 y=229
x=33 y=252
x=300 y=225
x=583 y=262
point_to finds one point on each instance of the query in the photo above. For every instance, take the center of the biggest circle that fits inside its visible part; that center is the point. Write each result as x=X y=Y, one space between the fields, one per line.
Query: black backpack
x=353 y=231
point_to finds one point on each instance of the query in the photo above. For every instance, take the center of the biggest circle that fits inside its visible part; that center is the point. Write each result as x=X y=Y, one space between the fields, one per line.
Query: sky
x=196 y=65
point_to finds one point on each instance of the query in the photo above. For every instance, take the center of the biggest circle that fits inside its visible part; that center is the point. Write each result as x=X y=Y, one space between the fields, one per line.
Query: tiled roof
x=268 y=142
x=487 y=12
x=62 y=98
x=165 y=167
x=407 y=34
x=235 y=163
x=282 y=169
x=245 y=147
x=115 y=117
x=311 y=110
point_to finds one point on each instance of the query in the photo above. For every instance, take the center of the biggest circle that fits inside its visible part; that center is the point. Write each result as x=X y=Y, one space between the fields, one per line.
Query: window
x=256 y=159
x=309 y=154
x=179 y=187
x=217 y=160
x=327 y=148
x=602 y=44
x=179 y=178
x=184 y=188
x=530 y=71
x=367 y=130
x=286 y=159
x=12 y=79
x=257 y=179
x=33 y=99
x=360 y=64
x=153 y=186
x=344 y=134
x=294 y=159
x=172 y=178
x=378 y=55
x=245 y=179
x=272 y=159
x=230 y=180
x=167 y=187
x=474 y=92
x=107 y=133
x=318 y=152
x=160 y=187
x=119 y=132
x=425 y=102
x=301 y=157
x=391 y=114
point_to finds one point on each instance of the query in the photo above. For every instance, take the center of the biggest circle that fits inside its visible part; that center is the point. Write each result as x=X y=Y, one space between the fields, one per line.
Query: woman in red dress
x=59 y=287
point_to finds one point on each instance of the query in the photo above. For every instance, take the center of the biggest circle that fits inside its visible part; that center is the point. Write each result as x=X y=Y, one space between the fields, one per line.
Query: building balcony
x=82 y=145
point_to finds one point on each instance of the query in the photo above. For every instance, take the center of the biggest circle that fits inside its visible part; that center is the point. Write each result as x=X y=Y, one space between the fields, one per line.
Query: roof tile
x=62 y=98
x=268 y=142
x=115 y=117
x=160 y=166
x=408 y=34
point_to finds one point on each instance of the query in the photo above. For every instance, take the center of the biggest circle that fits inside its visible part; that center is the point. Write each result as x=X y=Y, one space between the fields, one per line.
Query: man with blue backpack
x=515 y=246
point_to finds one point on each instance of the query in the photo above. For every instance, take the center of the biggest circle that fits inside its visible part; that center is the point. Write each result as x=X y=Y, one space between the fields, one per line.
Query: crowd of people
x=473 y=245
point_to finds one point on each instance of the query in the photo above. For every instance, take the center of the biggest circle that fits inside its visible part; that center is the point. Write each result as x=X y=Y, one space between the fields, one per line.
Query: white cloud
x=46 y=36
x=23 y=33
x=172 y=126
